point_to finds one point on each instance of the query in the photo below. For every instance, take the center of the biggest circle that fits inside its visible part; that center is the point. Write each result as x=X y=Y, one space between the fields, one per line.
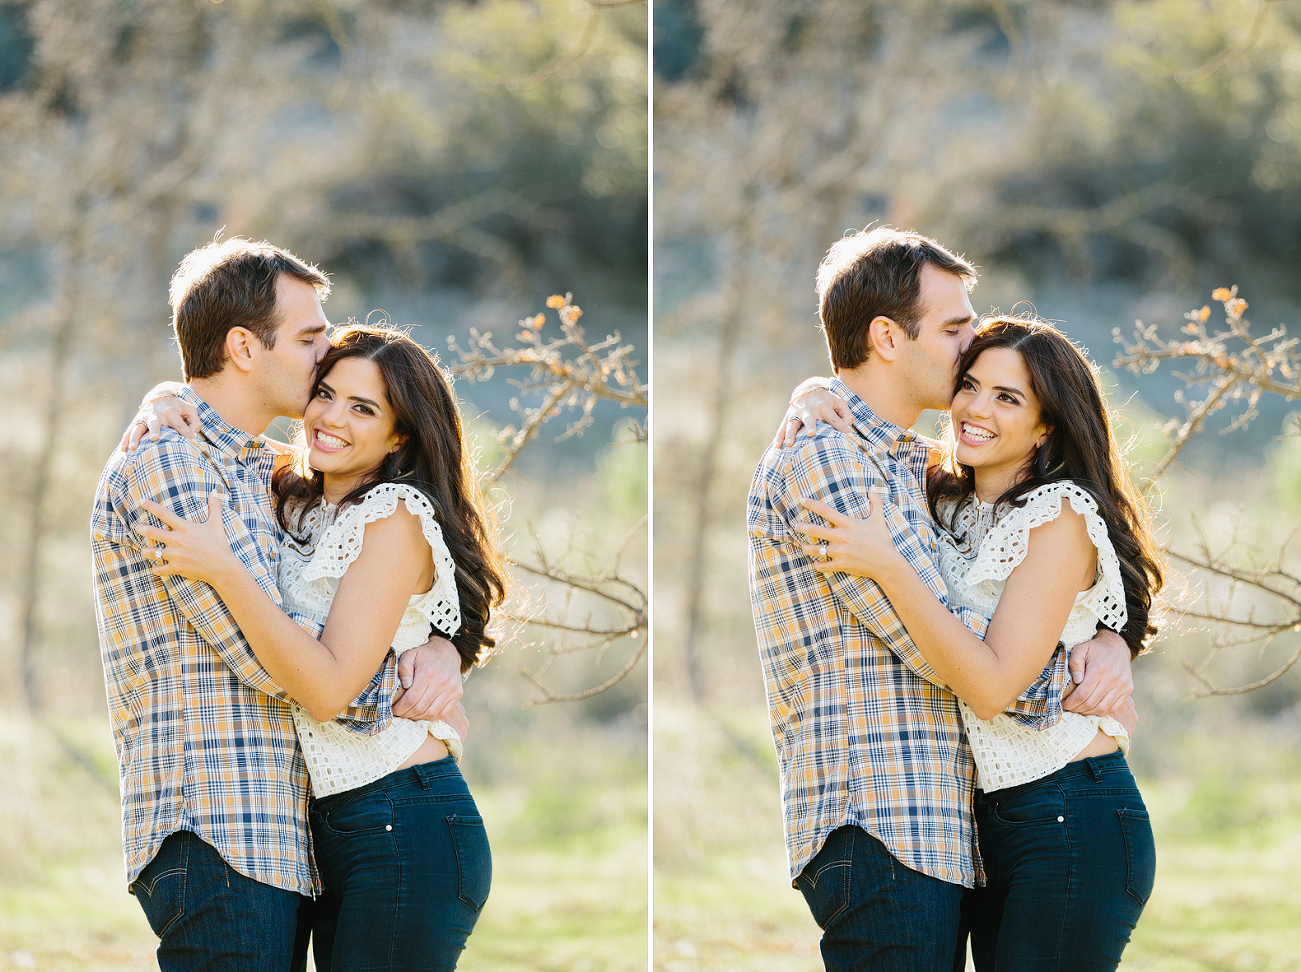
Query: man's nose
x=968 y=334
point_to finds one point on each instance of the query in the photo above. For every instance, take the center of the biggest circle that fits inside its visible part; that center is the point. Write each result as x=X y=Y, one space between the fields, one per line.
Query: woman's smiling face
x=349 y=425
x=996 y=421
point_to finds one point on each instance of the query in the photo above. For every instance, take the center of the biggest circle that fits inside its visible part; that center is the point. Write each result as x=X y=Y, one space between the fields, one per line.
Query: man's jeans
x=877 y=914
x=210 y=918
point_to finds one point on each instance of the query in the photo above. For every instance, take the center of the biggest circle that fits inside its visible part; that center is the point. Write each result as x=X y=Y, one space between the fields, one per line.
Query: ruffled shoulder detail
x=340 y=544
x=1008 y=541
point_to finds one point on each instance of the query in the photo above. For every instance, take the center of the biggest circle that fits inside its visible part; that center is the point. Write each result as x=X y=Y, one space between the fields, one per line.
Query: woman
x=386 y=541
x=1043 y=533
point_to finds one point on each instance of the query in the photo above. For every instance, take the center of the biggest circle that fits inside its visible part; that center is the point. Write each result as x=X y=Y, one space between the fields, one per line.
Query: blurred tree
x=384 y=140
x=1146 y=146
x=777 y=126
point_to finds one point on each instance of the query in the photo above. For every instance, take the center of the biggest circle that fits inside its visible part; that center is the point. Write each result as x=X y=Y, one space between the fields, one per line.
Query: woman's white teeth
x=334 y=442
x=976 y=433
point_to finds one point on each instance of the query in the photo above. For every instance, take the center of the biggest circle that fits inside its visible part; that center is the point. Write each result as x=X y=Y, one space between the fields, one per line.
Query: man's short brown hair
x=877 y=273
x=230 y=284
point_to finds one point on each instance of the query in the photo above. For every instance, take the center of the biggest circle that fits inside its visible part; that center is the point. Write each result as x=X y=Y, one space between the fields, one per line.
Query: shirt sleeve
x=174 y=475
x=830 y=468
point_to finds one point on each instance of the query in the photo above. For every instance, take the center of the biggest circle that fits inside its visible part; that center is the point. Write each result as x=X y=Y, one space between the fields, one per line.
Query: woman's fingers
x=788 y=431
x=131 y=437
x=151 y=532
x=214 y=506
x=828 y=513
x=819 y=530
x=169 y=518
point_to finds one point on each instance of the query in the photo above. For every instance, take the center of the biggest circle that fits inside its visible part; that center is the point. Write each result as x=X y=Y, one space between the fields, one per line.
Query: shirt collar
x=224 y=437
x=883 y=435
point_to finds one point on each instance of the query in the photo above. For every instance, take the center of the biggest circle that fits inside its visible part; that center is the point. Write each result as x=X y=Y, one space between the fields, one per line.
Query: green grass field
x=569 y=843
x=1228 y=829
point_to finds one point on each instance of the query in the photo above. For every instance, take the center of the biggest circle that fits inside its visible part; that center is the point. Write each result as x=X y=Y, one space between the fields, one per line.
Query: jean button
x=390 y=826
x=1059 y=820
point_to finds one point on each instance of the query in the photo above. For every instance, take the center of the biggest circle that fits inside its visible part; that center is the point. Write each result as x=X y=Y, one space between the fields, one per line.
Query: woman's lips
x=975 y=435
x=327 y=442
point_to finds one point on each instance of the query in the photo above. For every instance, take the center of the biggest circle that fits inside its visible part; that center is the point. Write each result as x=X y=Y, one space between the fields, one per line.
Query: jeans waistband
x=1096 y=769
x=422 y=775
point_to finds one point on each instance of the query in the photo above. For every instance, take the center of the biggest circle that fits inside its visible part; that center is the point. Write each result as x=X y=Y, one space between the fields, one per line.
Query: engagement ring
x=822 y=550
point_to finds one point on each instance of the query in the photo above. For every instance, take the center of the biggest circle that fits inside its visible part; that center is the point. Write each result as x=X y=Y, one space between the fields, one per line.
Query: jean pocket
x=358 y=818
x=160 y=888
x=1140 y=853
x=1036 y=805
x=473 y=858
x=825 y=882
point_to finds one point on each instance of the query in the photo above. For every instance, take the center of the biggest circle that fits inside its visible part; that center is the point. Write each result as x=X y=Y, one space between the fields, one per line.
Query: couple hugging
x=265 y=617
x=946 y=631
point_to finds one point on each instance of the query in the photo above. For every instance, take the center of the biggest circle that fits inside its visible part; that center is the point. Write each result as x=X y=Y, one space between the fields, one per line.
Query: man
x=877 y=778
x=214 y=787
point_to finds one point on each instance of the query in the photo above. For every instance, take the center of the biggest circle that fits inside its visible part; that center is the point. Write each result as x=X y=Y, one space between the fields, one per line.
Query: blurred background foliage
x=452 y=163
x=1102 y=162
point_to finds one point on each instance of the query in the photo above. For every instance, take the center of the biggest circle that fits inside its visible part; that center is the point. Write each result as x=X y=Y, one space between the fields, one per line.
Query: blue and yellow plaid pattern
x=865 y=733
x=205 y=738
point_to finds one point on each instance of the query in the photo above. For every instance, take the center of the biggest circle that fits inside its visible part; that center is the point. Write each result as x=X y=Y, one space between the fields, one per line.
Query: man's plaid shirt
x=865 y=732
x=205 y=738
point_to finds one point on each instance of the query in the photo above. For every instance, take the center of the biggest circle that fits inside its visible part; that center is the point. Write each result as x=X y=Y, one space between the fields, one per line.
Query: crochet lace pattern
x=976 y=560
x=339 y=759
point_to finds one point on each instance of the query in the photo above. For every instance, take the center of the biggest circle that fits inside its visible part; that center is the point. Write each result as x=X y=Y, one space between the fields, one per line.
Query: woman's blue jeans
x=1070 y=863
x=406 y=868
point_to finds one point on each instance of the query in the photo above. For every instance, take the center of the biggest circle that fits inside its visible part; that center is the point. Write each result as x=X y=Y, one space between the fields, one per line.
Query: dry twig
x=1227 y=365
x=568 y=374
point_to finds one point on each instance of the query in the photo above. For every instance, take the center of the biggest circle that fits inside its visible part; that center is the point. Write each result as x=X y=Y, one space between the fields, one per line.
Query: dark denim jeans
x=877 y=914
x=209 y=917
x=406 y=867
x=1070 y=864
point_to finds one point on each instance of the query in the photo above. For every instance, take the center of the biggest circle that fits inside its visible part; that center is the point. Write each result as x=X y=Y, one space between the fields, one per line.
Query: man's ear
x=242 y=348
x=885 y=336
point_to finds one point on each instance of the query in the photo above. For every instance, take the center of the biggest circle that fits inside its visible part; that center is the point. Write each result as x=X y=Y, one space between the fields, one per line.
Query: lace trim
x=339 y=542
x=1003 y=545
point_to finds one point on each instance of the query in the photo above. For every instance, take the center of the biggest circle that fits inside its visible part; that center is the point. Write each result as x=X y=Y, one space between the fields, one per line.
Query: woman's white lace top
x=976 y=560
x=337 y=758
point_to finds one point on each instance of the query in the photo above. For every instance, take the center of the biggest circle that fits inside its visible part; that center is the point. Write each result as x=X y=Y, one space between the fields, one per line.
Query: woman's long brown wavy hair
x=433 y=458
x=1080 y=447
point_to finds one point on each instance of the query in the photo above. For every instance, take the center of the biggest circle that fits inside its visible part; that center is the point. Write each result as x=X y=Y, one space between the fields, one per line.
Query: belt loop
x=422 y=775
x=1094 y=768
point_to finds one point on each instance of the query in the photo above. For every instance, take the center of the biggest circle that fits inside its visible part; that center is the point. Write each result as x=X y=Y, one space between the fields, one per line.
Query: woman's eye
x=365 y=410
x=1010 y=399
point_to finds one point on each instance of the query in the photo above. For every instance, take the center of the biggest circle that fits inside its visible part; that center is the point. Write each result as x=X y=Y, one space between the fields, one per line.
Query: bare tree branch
x=567 y=373
x=1231 y=54
x=1230 y=366
x=580 y=47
